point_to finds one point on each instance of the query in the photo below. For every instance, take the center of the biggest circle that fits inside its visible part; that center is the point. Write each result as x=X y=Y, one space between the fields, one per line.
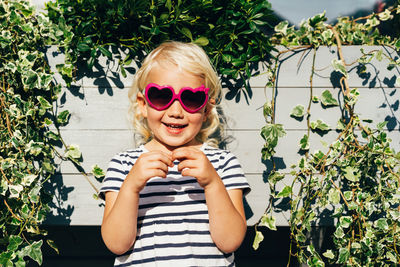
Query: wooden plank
x=376 y=104
x=93 y=110
x=98 y=147
x=74 y=203
x=295 y=69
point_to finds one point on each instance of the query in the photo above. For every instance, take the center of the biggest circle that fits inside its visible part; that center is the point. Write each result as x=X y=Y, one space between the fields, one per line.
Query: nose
x=175 y=110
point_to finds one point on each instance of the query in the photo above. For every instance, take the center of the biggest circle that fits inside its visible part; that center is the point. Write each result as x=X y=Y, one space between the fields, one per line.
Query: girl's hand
x=193 y=162
x=148 y=165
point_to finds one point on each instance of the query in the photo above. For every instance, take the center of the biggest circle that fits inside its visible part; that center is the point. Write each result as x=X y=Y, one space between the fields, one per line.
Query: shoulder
x=128 y=155
x=212 y=152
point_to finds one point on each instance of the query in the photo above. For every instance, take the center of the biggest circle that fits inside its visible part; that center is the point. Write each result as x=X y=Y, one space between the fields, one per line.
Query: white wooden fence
x=98 y=103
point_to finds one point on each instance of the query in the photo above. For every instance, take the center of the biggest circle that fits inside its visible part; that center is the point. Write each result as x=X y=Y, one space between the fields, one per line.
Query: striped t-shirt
x=173 y=222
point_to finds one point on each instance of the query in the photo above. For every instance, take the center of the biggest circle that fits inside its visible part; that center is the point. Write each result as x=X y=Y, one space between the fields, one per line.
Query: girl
x=176 y=200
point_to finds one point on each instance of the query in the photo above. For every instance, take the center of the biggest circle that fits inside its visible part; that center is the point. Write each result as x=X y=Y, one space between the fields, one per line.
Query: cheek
x=198 y=119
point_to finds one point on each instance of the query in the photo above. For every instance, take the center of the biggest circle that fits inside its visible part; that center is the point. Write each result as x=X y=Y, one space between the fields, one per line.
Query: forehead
x=174 y=76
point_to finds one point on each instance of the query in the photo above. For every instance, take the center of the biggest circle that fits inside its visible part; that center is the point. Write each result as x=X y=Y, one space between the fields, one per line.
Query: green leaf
x=34 y=251
x=383 y=16
x=268 y=221
x=105 y=52
x=345 y=221
x=327 y=99
x=13 y=242
x=344 y=255
x=319 y=125
x=5 y=259
x=185 y=31
x=298 y=111
x=63 y=117
x=271 y=133
x=304 y=144
x=286 y=192
x=382 y=224
x=391 y=257
x=329 y=254
x=44 y=103
x=339 y=66
x=334 y=196
x=52 y=244
x=282 y=27
x=97 y=171
x=28 y=179
x=15 y=190
x=275 y=177
x=73 y=152
x=315 y=99
x=339 y=232
x=202 y=41
x=82 y=47
x=352 y=174
x=257 y=240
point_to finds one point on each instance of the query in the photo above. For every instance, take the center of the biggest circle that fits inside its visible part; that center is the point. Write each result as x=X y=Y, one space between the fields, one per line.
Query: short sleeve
x=115 y=176
x=232 y=174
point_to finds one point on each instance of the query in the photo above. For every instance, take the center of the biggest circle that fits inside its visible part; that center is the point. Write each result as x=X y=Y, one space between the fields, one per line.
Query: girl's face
x=173 y=127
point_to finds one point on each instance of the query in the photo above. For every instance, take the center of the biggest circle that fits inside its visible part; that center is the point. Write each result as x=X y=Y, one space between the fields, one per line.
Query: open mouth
x=175 y=126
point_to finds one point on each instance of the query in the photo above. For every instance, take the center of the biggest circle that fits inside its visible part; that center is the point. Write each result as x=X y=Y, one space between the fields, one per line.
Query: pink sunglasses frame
x=176 y=96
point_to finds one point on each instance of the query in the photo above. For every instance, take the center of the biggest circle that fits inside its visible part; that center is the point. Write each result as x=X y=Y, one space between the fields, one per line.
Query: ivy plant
x=231 y=32
x=357 y=181
x=29 y=123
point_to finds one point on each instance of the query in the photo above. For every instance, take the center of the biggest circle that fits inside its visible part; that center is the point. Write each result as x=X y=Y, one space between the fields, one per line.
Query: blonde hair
x=188 y=57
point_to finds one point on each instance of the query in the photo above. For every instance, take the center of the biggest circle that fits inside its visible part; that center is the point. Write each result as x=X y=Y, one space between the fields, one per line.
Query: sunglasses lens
x=193 y=100
x=159 y=98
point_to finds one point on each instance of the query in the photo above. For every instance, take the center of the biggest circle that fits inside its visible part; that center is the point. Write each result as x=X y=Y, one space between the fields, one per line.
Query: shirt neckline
x=202 y=148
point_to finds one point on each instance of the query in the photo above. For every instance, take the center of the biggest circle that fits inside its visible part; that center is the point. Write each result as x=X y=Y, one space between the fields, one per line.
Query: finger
x=186 y=164
x=185 y=153
x=160 y=156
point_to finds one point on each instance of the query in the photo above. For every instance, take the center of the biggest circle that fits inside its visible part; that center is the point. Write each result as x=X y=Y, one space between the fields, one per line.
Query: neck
x=154 y=145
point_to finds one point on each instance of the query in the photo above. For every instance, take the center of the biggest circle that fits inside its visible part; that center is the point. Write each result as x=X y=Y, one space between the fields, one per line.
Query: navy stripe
x=232 y=176
x=173 y=233
x=194 y=221
x=172 y=193
x=173 y=173
x=176 y=182
x=237 y=184
x=117 y=170
x=175 y=245
x=173 y=214
x=226 y=163
x=116 y=161
x=130 y=163
x=110 y=188
x=233 y=167
x=172 y=204
x=129 y=156
x=113 y=179
x=174 y=257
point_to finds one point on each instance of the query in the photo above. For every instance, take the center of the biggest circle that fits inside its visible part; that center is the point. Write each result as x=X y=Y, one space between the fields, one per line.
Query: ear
x=141 y=101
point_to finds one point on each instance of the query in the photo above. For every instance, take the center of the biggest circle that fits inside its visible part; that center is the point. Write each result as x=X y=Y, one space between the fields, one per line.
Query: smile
x=175 y=126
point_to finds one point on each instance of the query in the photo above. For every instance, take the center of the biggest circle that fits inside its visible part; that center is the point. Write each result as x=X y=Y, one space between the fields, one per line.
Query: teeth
x=175 y=126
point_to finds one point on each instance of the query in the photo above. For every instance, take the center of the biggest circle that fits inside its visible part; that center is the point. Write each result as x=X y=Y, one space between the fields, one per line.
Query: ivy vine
x=31 y=145
x=231 y=33
x=29 y=126
x=359 y=176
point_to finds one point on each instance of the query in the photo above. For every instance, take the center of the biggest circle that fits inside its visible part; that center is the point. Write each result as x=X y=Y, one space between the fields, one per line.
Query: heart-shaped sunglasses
x=161 y=97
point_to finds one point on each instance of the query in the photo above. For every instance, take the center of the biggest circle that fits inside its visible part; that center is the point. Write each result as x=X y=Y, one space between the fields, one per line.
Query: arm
x=225 y=208
x=119 y=226
x=227 y=219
